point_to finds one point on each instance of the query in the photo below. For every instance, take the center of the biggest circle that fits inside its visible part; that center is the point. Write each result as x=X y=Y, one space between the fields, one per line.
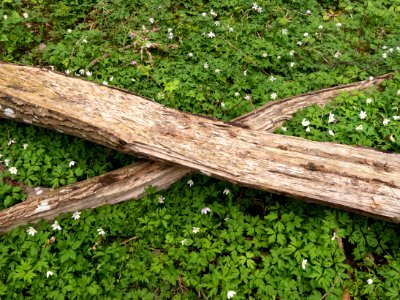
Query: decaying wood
x=360 y=180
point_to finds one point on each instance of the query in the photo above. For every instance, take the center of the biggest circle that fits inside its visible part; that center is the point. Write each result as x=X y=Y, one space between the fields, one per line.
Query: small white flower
x=264 y=54
x=195 y=229
x=245 y=72
x=13 y=170
x=56 y=226
x=230 y=29
x=396 y=118
x=359 y=127
x=305 y=122
x=274 y=95
x=386 y=122
x=370 y=78
x=69 y=30
x=190 y=54
x=272 y=78
x=49 y=273
x=190 y=182
x=170 y=36
x=211 y=34
x=237 y=94
x=151 y=20
x=230 y=294
x=292 y=52
x=76 y=215
x=217 y=23
x=5 y=17
x=100 y=231
x=369 y=100
x=7 y=162
x=363 y=115
x=299 y=43
x=331 y=118
x=10 y=142
x=111 y=78
x=338 y=25
x=247 y=97
x=81 y=71
x=305 y=34
x=331 y=132
x=161 y=199
x=392 y=138
x=31 y=231
x=183 y=242
x=213 y=13
x=308 y=12
x=308 y=129
x=223 y=104
x=205 y=65
x=398 y=48
x=334 y=236
x=370 y=281
x=169 y=29
x=25 y=15
x=292 y=64
x=67 y=71
x=205 y=210
x=337 y=54
x=71 y=163
x=84 y=41
x=384 y=55
x=284 y=128
x=278 y=57
x=226 y=192
x=284 y=31
x=88 y=73
x=384 y=47
x=204 y=14
x=105 y=82
x=398 y=92
x=217 y=71
x=320 y=27
x=304 y=264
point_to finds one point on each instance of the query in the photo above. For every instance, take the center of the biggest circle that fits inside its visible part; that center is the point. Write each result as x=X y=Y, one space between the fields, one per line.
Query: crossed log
x=242 y=152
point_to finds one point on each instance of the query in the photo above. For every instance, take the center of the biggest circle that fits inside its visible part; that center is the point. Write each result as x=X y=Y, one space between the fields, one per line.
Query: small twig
x=128 y=240
x=330 y=290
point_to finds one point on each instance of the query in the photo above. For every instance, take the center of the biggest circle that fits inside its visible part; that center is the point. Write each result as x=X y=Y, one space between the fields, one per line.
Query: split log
x=360 y=180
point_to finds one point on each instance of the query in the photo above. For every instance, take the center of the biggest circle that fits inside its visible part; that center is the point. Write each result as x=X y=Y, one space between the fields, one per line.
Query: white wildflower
x=151 y=20
x=396 y=118
x=338 y=25
x=359 y=127
x=299 y=43
x=369 y=100
x=67 y=71
x=170 y=36
x=56 y=226
x=392 y=138
x=7 y=162
x=330 y=132
x=217 y=23
x=223 y=104
x=320 y=27
x=161 y=199
x=76 y=215
x=69 y=30
x=274 y=95
x=84 y=41
x=204 y=14
x=183 y=242
x=370 y=281
x=292 y=64
x=334 y=236
x=190 y=182
x=105 y=82
x=284 y=128
x=386 y=122
x=245 y=72
x=292 y=52
x=230 y=29
x=211 y=34
x=247 y=97
x=213 y=13
x=272 y=78
x=10 y=142
x=217 y=71
x=237 y=94
x=190 y=54
x=337 y=54
x=5 y=17
x=100 y=231
x=331 y=118
x=363 y=115
x=264 y=54
x=81 y=71
x=13 y=170
x=195 y=229
x=305 y=34
x=226 y=192
x=71 y=163
x=31 y=231
x=384 y=55
x=304 y=264
x=230 y=294
x=305 y=122
x=284 y=31
x=308 y=129
x=205 y=210
x=370 y=78
x=308 y=12
x=25 y=15
x=205 y=65
x=49 y=273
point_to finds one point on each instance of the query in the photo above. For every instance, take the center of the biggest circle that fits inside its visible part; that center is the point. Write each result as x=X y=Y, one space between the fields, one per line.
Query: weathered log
x=129 y=182
x=360 y=180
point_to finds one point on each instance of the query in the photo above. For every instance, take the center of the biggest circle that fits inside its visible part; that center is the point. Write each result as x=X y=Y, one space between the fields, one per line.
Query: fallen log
x=130 y=182
x=291 y=166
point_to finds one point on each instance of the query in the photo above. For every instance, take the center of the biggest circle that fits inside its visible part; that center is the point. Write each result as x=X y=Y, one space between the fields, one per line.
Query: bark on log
x=357 y=179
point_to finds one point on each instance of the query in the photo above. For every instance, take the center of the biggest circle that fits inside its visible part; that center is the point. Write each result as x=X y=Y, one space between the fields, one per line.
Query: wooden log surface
x=360 y=180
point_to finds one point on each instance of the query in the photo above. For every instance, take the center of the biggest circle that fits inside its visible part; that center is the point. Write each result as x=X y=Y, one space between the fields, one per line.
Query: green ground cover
x=202 y=238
